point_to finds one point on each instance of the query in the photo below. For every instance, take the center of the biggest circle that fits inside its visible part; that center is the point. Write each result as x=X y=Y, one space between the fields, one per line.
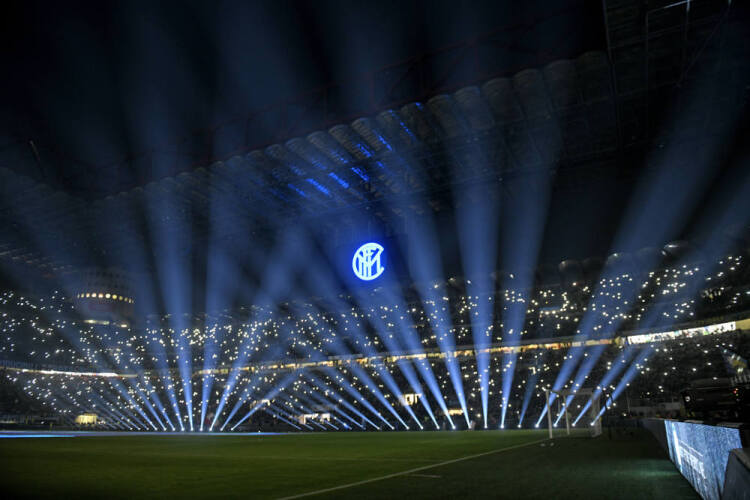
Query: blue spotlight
x=393 y=346
x=276 y=415
x=320 y=399
x=407 y=335
x=575 y=352
x=523 y=229
x=344 y=384
x=307 y=409
x=321 y=281
x=428 y=270
x=337 y=346
x=591 y=356
x=370 y=384
x=345 y=403
x=477 y=226
x=276 y=277
x=531 y=385
x=269 y=396
x=630 y=374
x=617 y=366
x=280 y=411
x=173 y=268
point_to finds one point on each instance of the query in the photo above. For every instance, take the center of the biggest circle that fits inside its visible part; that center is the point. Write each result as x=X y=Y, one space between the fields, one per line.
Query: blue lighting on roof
x=362 y=175
x=364 y=150
x=317 y=164
x=407 y=130
x=297 y=190
x=339 y=157
x=338 y=179
x=382 y=141
x=319 y=186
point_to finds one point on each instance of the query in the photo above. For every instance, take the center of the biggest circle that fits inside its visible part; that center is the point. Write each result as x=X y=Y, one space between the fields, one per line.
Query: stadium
x=333 y=250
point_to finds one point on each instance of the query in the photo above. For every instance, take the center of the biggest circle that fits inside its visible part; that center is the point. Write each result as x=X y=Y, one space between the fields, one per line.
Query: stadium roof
x=590 y=119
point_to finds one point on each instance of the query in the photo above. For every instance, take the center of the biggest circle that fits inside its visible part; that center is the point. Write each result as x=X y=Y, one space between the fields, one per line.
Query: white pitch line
x=342 y=459
x=407 y=472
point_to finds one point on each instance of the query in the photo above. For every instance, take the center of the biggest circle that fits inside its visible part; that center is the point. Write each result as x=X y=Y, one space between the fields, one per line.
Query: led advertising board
x=701 y=452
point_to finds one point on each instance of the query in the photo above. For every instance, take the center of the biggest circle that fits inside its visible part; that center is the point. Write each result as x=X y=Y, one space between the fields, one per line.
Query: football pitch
x=480 y=464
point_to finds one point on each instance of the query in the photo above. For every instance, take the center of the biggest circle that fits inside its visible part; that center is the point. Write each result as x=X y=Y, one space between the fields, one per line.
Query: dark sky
x=91 y=82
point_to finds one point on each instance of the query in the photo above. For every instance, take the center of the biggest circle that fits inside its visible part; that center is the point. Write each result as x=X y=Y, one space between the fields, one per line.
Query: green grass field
x=512 y=464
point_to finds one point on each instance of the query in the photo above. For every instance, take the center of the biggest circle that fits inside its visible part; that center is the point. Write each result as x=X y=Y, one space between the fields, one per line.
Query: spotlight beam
x=293 y=404
x=288 y=415
x=406 y=368
x=275 y=414
x=244 y=395
x=397 y=163
x=650 y=215
x=383 y=332
x=531 y=386
x=326 y=401
x=347 y=386
x=370 y=384
x=275 y=279
x=316 y=279
x=399 y=316
x=299 y=402
x=175 y=276
x=726 y=214
x=326 y=388
x=618 y=365
x=429 y=269
x=337 y=346
x=269 y=396
x=629 y=375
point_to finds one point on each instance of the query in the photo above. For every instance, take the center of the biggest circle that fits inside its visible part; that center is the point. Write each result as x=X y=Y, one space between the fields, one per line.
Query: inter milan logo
x=367 y=264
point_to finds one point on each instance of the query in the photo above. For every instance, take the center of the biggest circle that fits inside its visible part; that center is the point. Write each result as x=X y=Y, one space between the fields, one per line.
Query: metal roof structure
x=594 y=116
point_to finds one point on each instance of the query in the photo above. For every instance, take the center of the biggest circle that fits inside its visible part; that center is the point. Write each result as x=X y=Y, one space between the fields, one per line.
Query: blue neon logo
x=367 y=262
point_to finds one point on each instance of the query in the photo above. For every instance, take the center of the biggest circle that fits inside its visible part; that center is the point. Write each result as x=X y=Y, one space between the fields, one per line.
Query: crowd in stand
x=356 y=396
x=261 y=368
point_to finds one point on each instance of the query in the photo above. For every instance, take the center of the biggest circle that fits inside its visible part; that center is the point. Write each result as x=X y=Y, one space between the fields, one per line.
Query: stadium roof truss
x=584 y=117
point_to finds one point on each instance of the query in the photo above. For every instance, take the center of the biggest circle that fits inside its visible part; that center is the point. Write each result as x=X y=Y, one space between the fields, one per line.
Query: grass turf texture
x=279 y=466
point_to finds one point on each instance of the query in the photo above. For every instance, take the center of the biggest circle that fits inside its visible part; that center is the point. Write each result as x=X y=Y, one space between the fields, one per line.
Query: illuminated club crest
x=368 y=261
